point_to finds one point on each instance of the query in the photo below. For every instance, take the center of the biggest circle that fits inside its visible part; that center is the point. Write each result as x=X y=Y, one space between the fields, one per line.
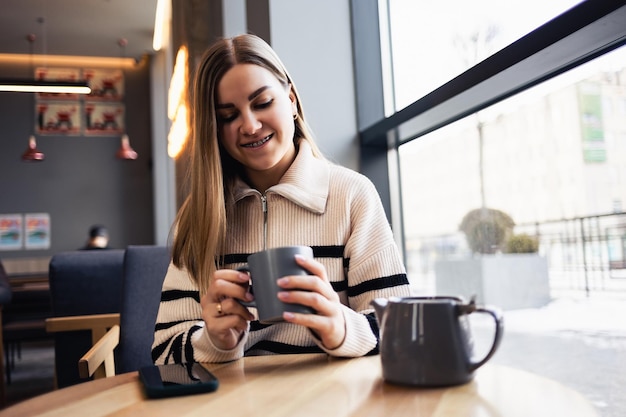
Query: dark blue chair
x=82 y=283
x=144 y=271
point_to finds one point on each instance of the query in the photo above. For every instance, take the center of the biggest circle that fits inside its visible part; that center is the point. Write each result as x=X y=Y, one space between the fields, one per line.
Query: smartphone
x=176 y=379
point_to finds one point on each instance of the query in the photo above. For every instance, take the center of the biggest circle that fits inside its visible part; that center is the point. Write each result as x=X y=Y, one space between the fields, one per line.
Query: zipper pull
x=264 y=203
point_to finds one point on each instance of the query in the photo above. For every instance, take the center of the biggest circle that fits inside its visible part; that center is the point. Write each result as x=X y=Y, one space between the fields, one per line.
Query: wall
x=80 y=182
x=313 y=39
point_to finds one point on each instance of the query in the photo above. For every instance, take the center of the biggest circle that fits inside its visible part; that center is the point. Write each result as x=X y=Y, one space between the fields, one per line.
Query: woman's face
x=255 y=115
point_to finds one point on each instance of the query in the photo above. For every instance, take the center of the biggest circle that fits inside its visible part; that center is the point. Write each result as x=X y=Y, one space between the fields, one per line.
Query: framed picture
x=57 y=74
x=37 y=230
x=104 y=119
x=57 y=118
x=105 y=84
x=11 y=236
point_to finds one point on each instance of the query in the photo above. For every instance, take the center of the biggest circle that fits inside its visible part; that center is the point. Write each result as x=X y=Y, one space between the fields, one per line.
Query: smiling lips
x=258 y=143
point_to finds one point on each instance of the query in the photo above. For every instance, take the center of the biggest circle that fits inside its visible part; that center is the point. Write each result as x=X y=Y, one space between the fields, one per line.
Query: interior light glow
x=161 y=20
x=177 y=109
x=68 y=60
x=178 y=133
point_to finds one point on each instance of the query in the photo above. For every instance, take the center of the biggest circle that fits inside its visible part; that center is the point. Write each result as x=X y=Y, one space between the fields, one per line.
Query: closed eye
x=264 y=104
x=227 y=118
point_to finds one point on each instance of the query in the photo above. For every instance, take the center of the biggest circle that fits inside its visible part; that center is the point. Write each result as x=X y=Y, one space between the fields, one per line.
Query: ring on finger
x=218 y=307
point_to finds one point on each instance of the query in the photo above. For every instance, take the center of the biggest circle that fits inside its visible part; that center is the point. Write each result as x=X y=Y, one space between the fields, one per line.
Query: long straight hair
x=200 y=226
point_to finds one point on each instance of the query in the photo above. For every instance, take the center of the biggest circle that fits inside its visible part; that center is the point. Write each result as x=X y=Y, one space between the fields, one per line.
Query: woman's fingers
x=307 y=286
x=331 y=329
x=229 y=283
x=319 y=302
x=225 y=318
x=316 y=292
x=312 y=266
x=312 y=290
x=229 y=307
x=227 y=287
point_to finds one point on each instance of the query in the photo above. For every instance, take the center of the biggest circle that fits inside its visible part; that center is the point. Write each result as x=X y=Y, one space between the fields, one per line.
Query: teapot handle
x=496 y=314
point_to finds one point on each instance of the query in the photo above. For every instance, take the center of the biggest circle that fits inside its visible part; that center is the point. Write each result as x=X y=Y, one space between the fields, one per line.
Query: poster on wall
x=37 y=230
x=57 y=118
x=11 y=237
x=57 y=74
x=106 y=84
x=104 y=119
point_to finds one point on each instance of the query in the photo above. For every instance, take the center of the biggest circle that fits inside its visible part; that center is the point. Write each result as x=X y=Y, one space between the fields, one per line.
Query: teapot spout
x=379 y=304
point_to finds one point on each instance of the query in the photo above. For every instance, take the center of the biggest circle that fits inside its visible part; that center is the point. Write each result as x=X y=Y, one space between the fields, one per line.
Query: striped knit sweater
x=334 y=210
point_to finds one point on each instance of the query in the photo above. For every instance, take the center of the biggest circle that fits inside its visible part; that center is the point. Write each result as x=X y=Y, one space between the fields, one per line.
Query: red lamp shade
x=125 y=151
x=32 y=153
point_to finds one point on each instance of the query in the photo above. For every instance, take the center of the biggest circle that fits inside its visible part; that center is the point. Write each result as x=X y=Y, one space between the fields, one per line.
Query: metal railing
x=585 y=254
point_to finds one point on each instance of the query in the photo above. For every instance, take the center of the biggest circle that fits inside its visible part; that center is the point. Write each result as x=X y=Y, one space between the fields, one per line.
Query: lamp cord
x=31 y=41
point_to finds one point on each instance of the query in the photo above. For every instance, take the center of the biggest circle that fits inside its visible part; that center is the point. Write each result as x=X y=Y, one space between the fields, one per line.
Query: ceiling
x=77 y=27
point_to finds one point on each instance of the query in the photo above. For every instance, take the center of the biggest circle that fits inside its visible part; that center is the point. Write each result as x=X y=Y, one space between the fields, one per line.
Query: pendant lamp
x=32 y=153
x=125 y=151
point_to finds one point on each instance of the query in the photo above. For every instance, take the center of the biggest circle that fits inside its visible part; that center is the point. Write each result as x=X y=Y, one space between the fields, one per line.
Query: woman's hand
x=225 y=318
x=329 y=323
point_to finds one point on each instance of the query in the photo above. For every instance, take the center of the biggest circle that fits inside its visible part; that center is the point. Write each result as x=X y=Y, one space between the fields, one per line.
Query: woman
x=259 y=181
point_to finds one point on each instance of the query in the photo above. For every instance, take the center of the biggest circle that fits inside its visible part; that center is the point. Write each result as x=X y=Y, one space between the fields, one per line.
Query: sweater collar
x=305 y=183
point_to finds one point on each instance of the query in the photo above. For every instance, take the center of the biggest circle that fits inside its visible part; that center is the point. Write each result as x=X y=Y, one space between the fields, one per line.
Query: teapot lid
x=426 y=299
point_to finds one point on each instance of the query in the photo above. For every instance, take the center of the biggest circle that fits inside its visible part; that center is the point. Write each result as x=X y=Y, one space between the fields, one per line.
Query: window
x=548 y=157
x=532 y=132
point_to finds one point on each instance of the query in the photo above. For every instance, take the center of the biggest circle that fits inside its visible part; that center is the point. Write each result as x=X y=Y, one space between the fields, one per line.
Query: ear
x=294 y=101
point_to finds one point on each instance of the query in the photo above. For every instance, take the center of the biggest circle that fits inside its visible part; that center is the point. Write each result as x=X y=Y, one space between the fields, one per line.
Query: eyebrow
x=251 y=97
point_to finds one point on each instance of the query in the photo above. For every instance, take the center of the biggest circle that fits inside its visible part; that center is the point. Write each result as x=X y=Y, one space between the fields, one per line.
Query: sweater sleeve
x=375 y=266
x=180 y=335
x=360 y=339
x=375 y=269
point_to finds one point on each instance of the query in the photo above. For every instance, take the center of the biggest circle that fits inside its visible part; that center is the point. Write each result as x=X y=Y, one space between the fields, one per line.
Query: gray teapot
x=426 y=341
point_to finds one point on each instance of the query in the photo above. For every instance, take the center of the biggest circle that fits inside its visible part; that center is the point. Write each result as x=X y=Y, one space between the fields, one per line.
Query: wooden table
x=316 y=385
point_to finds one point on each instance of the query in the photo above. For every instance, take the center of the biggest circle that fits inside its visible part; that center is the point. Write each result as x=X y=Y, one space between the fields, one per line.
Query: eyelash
x=261 y=106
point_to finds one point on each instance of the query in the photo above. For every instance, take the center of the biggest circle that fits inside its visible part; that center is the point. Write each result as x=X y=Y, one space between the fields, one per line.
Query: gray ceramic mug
x=265 y=268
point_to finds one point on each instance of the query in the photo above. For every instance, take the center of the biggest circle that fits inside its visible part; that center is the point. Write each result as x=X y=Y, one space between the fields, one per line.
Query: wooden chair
x=99 y=361
x=102 y=327
x=144 y=271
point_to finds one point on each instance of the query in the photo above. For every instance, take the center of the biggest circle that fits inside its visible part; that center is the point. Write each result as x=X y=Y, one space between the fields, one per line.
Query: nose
x=249 y=123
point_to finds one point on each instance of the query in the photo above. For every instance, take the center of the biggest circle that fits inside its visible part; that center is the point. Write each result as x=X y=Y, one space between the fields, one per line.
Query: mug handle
x=496 y=314
x=247 y=303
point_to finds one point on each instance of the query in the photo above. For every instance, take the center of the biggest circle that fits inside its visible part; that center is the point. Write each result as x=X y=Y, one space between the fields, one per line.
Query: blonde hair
x=200 y=226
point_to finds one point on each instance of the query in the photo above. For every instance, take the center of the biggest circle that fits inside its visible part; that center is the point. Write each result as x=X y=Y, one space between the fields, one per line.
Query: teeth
x=259 y=143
